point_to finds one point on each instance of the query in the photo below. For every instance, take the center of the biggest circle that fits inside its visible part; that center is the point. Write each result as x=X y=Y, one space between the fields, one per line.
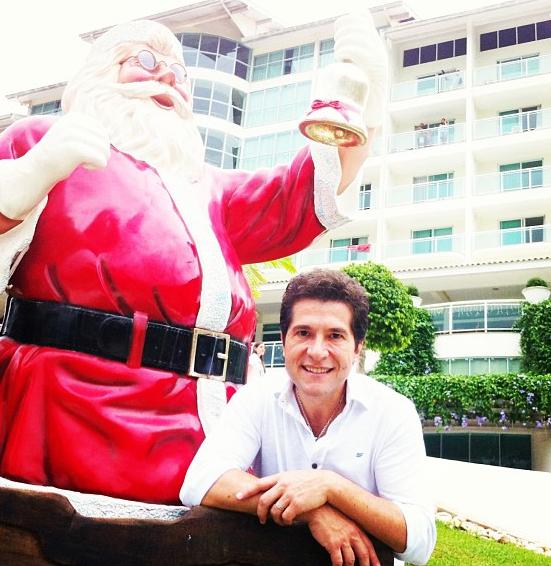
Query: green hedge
x=503 y=399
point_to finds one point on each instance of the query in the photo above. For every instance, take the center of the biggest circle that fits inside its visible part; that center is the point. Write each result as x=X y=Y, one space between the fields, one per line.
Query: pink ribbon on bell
x=341 y=107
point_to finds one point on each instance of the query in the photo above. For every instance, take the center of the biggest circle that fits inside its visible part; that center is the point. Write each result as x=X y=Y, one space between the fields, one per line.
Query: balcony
x=507 y=181
x=424 y=192
x=428 y=137
x=475 y=316
x=425 y=246
x=513 y=237
x=428 y=85
x=510 y=70
x=324 y=256
x=512 y=123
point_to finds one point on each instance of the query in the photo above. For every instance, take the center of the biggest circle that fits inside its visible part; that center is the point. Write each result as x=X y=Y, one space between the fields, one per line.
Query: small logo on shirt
x=359 y=454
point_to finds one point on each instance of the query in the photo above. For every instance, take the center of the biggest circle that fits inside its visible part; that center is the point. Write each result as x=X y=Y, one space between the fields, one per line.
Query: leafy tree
x=254 y=272
x=535 y=337
x=416 y=359
x=392 y=314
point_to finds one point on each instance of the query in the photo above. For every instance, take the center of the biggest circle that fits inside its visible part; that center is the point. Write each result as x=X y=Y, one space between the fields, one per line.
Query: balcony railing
x=423 y=192
x=428 y=85
x=365 y=201
x=506 y=181
x=324 y=256
x=525 y=235
x=428 y=137
x=423 y=246
x=512 y=123
x=475 y=316
x=510 y=70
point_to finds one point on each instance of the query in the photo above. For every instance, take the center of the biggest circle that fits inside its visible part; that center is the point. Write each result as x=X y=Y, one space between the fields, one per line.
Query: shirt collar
x=356 y=385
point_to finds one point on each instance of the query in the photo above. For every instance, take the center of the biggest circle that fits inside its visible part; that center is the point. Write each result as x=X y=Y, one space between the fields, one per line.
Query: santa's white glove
x=357 y=41
x=73 y=140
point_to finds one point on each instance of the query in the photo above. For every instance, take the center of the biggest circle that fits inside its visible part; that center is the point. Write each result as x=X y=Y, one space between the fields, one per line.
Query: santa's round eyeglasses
x=148 y=61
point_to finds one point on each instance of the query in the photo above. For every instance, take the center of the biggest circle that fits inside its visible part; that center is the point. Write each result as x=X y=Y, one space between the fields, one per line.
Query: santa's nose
x=165 y=74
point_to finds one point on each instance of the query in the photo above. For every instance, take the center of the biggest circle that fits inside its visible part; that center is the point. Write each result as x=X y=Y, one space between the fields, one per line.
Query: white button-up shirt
x=376 y=442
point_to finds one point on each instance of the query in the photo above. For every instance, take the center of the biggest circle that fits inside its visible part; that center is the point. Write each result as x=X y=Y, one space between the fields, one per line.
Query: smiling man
x=327 y=445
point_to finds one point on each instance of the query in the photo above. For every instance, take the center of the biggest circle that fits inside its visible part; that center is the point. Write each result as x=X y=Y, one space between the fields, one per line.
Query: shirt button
x=314 y=465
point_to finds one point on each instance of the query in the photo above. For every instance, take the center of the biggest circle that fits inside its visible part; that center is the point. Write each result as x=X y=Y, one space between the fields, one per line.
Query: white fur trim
x=192 y=203
x=91 y=505
x=327 y=176
x=211 y=401
x=15 y=242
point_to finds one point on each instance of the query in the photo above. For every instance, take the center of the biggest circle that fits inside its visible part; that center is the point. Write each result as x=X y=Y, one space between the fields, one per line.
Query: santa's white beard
x=167 y=139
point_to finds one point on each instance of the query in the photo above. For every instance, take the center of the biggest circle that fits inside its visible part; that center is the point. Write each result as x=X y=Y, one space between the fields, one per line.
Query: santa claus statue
x=129 y=318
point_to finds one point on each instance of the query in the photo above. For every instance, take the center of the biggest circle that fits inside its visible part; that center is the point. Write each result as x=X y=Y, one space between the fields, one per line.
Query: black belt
x=190 y=351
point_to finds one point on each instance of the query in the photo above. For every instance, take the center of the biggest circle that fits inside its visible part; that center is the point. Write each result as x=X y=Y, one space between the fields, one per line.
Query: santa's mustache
x=148 y=89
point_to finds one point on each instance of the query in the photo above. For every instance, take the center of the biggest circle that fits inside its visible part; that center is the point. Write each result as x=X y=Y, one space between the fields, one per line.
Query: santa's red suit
x=114 y=240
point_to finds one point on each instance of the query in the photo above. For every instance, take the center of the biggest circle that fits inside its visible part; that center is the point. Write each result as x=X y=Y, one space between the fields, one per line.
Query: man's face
x=319 y=348
x=147 y=64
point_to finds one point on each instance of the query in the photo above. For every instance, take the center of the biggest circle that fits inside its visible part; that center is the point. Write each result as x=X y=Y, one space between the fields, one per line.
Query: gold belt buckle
x=221 y=355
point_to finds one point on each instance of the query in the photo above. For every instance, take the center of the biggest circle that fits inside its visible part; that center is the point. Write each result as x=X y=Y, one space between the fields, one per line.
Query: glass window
x=507 y=37
x=213 y=52
x=428 y=53
x=411 y=57
x=468 y=317
x=283 y=62
x=523 y=175
x=502 y=316
x=433 y=187
x=445 y=50
x=271 y=332
x=348 y=249
x=51 y=107
x=365 y=197
x=221 y=149
x=432 y=240
x=510 y=233
x=269 y=150
x=278 y=104
x=479 y=366
x=488 y=41
x=526 y=33
x=544 y=29
x=498 y=365
x=460 y=46
x=326 y=55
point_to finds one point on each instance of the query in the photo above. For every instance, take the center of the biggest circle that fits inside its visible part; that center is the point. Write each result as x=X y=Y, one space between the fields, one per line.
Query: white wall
x=515 y=501
x=477 y=344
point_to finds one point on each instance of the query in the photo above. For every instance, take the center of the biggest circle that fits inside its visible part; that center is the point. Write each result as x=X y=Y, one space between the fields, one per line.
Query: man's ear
x=358 y=349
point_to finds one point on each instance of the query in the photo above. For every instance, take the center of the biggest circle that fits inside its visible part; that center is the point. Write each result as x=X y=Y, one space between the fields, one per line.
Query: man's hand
x=345 y=542
x=289 y=494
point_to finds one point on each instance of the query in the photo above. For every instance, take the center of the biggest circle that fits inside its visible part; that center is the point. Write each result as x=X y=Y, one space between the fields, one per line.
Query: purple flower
x=481 y=420
x=539 y=424
x=437 y=421
x=530 y=398
x=464 y=421
x=502 y=417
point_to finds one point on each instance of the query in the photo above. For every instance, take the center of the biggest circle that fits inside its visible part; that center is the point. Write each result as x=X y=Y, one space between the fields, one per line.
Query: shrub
x=502 y=399
x=416 y=359
x=535 y=337
x=536 y=282
x=412 y=290
x=391 y=312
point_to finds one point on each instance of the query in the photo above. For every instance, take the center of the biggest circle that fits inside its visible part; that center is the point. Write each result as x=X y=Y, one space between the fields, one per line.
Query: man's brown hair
x=327 y=285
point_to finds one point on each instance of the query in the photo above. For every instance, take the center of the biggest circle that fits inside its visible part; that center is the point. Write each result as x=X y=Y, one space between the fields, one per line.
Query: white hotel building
x=462 y=211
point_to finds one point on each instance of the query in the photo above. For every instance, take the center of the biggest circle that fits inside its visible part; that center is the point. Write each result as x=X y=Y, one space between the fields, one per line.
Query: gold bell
x=335 y=117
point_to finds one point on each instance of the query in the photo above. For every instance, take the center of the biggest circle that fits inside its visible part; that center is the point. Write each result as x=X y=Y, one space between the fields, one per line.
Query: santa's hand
x=73 y=140
x=357 y=41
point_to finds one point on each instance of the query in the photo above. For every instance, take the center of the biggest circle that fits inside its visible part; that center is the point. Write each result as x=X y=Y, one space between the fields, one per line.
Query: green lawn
x=458 y=548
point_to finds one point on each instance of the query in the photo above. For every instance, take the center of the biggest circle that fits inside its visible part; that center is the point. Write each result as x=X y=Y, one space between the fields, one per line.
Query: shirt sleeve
x=233 y=444
x=277 y=212
x=400 y=469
